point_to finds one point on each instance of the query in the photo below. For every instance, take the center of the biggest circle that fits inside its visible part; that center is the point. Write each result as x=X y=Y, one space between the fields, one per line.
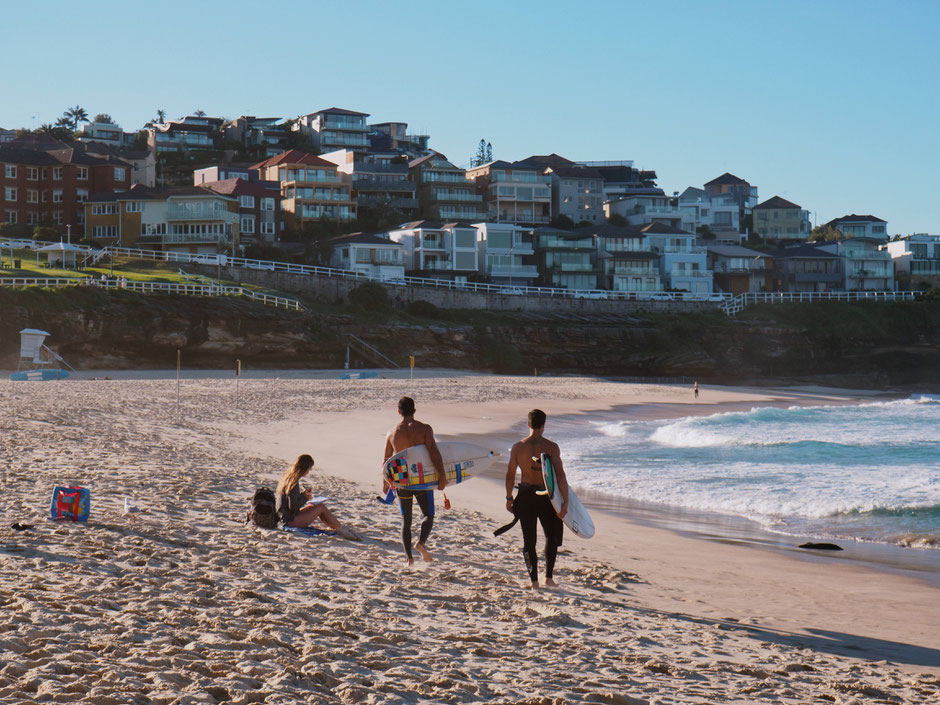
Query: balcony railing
x=461 y=214
x=643 y=271
x=445 y=177
x=339 y=124
x=521 y=271
x=681 y=273
x=207 y=213
x=462 y=197
x=377 y=185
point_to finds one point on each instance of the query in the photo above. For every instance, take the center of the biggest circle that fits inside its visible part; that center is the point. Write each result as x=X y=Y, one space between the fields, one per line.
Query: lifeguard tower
x=37 y=362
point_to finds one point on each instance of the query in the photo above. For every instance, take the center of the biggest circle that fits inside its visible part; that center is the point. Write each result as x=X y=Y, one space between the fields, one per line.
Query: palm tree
x=200 y=113
x=161 y=115
x=76 y=115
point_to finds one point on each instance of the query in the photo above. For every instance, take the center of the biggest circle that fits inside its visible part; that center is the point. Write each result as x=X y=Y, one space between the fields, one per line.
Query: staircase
x=370 y=353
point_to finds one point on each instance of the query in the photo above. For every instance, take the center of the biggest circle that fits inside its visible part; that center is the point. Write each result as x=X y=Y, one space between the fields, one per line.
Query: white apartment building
x=372 y=255
x=720 y=214
x=861 y=226
x=866 y=265
x=439 y=250
x=506 y=254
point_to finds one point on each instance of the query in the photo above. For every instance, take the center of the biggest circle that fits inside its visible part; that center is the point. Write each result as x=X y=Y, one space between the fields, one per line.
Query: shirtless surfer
x=528 y=505
x=406 y=434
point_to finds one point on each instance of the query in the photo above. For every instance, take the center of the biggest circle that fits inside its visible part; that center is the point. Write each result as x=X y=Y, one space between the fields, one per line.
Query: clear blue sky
x=834 y=105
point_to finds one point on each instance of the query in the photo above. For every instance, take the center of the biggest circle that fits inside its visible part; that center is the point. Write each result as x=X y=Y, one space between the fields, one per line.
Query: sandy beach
x=183 y=603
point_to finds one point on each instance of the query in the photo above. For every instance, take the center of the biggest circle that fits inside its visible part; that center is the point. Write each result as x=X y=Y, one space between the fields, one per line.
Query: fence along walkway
x=159 y=288
x=737 y=304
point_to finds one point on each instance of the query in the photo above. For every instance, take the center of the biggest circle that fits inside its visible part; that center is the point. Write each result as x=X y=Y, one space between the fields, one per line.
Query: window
x=267 y=204
x=248 y=224
x=120 y=173
x=105 y=231
x=57 y=217
x=104 y=209
x=10 y=194
x=80 y=216
x=32 y=196
x=32 y=218
x=81 y=195
x=134 y=207
x=57 y=196
x=57 y=173
x=11 y=217
x=32 y=173
x=267 y=228
x=83 y=173
x=246 y=201
x=10 y=171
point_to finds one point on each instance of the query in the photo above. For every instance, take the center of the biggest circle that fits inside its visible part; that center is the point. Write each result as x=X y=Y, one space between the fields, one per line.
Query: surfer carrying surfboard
x=532 y=503
x=408 y=433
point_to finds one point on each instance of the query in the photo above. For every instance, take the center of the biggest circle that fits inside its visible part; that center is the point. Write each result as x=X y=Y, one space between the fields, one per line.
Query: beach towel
x=309 y=530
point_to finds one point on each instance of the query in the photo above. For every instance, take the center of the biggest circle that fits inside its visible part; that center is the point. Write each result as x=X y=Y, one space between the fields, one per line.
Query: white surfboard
x=412 y=468
x=577 y=518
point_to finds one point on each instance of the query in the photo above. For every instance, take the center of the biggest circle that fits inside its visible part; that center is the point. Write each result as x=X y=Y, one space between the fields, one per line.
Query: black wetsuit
x=530 y=508
x=426 y=503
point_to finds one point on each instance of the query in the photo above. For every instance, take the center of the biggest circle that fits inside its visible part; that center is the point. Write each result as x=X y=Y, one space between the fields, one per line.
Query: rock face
x=92 y=329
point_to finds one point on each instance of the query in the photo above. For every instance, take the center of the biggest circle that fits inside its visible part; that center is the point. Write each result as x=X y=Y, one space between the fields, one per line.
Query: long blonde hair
x=291 y=477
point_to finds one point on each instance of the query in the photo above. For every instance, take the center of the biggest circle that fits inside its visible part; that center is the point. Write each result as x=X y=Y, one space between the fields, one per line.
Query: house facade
x=740 y=270
x=385 y=136
x=729 y=187
x=259 y=209
x=444 y=193
x=779 y=220
x=578 y=193
x=188 y=134
x=265 y=135
x=439 y=250
x=312 y=189
x=336 y=128
x=507 y=254
x=379 y=180
x=916 y=260
x=861 y=226
x=517 y=192
x=718 y=215
x=51 y=187
x=808 y=268
x=568 y=258
x=621 y=178
x=683 y=263
x=646 y=206
x=188 y=219
x=372 y=255
x=106 y=133
x=865 y=264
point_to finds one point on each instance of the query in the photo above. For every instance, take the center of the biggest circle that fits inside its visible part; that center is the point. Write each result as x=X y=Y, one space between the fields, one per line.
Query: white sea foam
x=869 y=470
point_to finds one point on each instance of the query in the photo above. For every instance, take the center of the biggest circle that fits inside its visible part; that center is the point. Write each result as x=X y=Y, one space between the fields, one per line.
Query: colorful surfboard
x=412 y=468
x=577 y=518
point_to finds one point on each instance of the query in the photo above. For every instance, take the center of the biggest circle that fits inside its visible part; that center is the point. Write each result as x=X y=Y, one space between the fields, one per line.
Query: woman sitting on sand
x=292 y=501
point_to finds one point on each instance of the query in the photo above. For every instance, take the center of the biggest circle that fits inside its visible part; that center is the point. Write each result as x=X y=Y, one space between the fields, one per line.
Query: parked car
x=19 y=244
x=511 y=291
x=654 y=296
x=590 y=294
x=209 y=259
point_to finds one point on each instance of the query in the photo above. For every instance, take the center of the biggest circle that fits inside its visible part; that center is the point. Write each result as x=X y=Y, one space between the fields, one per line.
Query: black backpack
x=262 y=509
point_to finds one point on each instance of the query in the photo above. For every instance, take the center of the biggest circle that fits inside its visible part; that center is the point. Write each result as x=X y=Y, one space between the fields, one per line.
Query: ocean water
x=869 y=472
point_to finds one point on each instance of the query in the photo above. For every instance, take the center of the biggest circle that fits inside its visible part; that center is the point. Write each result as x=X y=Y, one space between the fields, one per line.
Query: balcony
x=364 y=169
x=375 y=200
x=501 y=178
x=331 y=123
x=443 y=177
x=461 y=214
x=689 y=274
x=572 y=267
x=817 y=277
x=681 y=250
x=384 y=186
x=523 y=271
x=639 y=271
x=202 y=212
x=461 y=197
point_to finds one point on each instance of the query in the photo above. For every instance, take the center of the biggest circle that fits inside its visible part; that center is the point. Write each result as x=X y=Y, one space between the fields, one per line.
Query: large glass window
x=499 y=240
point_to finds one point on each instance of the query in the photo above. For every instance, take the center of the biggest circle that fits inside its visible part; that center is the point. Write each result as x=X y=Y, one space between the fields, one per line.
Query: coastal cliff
x=869 y=345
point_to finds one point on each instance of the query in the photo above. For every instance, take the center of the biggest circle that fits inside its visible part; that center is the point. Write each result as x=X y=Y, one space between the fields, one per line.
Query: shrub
x=370 y=296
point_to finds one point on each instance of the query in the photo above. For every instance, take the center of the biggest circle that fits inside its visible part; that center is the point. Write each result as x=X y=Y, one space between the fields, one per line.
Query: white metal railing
x=739 y=302
x=147 y=287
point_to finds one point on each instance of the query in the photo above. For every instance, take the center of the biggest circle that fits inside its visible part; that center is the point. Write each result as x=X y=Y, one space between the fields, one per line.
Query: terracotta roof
x=777 y=202
x=293 y=156
x=240 y=187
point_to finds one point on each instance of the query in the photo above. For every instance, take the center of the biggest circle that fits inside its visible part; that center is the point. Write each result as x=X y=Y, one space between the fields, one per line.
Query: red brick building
x=47 y=184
